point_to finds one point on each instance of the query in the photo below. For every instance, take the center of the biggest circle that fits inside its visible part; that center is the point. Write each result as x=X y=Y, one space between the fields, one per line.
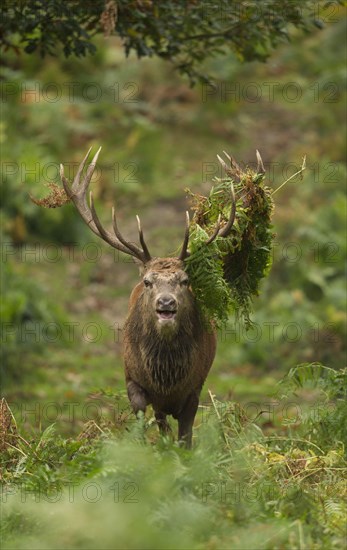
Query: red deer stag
x=168 y=349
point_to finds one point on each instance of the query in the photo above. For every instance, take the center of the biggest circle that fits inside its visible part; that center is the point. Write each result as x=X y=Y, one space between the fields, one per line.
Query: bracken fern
x=225 y=275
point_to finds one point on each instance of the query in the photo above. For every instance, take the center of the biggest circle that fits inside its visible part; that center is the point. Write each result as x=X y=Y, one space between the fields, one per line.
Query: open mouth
x=164 y=315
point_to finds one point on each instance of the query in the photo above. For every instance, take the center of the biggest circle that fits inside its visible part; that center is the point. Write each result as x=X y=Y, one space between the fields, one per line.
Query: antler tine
x=95 y=218
x=77 y=193
x=132 y=249
x=227 y=228
x=76 y=181
x=90 y=172
x=77 y=190
x=184 y=251
x=216 y=231
x=127 y=248
x=223 y=164
x=234 y=169
x=260 y=166
x=142 y=240
x=64 y=181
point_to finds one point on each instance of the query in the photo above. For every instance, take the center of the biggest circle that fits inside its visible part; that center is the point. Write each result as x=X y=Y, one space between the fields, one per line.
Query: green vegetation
x=267 y=469
x=237 y=482
x=226 y=273
x=23 y=311
x=184 y=33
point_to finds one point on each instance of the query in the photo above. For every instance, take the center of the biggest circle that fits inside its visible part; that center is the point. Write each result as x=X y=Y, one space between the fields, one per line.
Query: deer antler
x=218 y=232
x=77 y=193
x=233 y=171
x=260 y=165
x=226 y=229
x=184 y=252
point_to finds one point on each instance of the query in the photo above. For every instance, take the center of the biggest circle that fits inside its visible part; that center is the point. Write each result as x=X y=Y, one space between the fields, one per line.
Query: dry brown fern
x=56 y=198
x=7 y=424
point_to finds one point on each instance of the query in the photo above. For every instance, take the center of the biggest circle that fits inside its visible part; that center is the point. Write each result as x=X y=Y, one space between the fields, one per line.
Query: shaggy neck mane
x=167 y=357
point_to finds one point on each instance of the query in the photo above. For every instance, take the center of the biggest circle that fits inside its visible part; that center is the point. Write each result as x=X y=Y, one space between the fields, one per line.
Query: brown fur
x=166 y=366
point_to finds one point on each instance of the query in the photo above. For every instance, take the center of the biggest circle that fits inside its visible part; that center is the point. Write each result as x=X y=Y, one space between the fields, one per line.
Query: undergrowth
x=240 y=487
x=25 y=313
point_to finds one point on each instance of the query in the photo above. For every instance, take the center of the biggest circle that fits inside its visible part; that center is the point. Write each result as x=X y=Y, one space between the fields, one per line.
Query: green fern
x=205 y=268
x=225 y=275
x=333 y=383
x=326 y=425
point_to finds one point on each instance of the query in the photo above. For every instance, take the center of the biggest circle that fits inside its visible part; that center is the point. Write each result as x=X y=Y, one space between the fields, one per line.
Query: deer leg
x=137 y=396
x=164 y=426
x=186 y=420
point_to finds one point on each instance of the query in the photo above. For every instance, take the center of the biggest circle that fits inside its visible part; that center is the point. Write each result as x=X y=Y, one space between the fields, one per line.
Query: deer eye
x=185 y=282
x=147 y=283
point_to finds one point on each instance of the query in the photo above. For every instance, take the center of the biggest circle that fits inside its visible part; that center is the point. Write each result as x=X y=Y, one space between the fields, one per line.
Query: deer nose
x=166 y=302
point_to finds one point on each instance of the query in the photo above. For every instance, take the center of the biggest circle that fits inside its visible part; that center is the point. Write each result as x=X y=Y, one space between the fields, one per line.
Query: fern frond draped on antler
x=226 y=277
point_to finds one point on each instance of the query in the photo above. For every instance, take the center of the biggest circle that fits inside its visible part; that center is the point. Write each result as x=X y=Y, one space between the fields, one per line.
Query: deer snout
x=166 y=306
x=166 y=302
